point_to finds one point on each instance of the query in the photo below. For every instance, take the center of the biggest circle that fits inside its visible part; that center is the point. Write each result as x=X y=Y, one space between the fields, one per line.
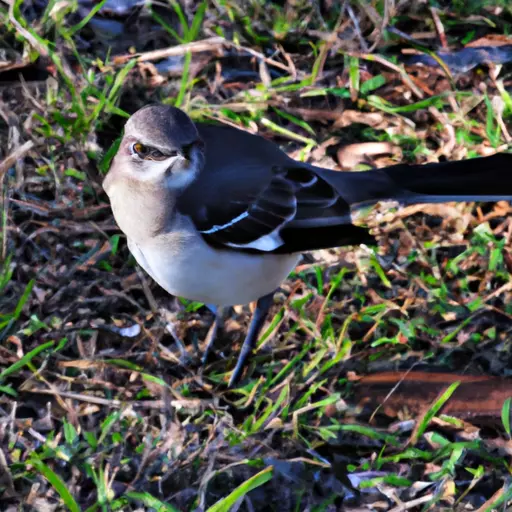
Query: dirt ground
x=381 y=381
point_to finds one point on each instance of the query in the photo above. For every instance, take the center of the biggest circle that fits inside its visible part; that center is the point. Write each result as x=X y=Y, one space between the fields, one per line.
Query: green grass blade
x=505 y=415
x=151 y=502
x=8 y=390
x=57 y=483
x=372 y=84
x=120 y=80
x=183 y=20
x=374 y=262
x=435 y=409
x=354 y=76
x=81 y=24
x=184 y=80
x=6 y=269
x=166 y=26
x=287 y=133
x=296 y=120
x=23 y=299
x=25 y=359
x=197 y=22
x=105 y=162
x=229 y=501
x=108 y=424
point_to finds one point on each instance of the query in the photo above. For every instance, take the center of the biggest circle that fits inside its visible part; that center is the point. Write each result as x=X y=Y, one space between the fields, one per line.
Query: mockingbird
x=220 y=216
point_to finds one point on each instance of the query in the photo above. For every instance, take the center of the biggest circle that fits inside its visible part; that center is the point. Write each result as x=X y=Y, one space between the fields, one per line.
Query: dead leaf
x=478 y=397
x=490 y=40
x=353 y=154
x=374 y=119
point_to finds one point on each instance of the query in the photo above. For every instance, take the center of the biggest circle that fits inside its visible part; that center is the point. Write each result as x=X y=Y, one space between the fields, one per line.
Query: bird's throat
x=141 y=210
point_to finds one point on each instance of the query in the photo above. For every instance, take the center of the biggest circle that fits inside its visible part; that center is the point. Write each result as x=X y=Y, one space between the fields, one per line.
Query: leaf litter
x=340 y=408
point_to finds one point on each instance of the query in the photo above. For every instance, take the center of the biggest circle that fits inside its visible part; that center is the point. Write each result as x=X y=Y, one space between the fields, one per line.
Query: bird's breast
x=185 y=266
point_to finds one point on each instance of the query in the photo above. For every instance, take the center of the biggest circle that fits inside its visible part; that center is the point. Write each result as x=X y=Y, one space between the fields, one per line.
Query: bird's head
x=161 y=146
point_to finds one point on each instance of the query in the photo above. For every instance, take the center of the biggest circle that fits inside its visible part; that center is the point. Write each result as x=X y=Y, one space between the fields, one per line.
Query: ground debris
x=351 y=399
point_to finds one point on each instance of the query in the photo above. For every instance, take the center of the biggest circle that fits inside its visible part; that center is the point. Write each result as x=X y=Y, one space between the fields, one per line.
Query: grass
x=97 y=413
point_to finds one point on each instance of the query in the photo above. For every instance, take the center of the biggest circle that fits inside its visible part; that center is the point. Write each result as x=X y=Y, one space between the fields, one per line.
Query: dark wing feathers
x=252 y=196
x=271 y=209
x=294 y=210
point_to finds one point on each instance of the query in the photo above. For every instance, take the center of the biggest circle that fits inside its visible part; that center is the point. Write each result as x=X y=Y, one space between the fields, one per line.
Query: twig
x=213 y=44
x=449 y=145
x=291 y=64
x=391 y=391
x=383 y=25
x=210 y=44
x=151 y=404
x=11 y=159
x=439 y=28
x=147 y=291
x=41 y=50
x=258 y=55
x=8 y=480
x=328 y=44
x=381 y=60
x=355 y=22
x=413 y=503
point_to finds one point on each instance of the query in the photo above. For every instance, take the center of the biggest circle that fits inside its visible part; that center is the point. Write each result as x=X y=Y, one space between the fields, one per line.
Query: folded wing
x=296 y=210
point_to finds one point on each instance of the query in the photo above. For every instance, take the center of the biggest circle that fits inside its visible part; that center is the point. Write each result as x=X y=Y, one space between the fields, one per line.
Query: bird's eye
x=149 y=153
x=140 y=150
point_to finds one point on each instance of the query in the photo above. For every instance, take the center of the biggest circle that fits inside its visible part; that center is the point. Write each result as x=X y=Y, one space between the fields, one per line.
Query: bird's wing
x=294 y=209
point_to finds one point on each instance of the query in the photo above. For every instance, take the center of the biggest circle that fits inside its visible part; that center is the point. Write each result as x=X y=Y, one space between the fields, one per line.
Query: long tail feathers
x=475 y=179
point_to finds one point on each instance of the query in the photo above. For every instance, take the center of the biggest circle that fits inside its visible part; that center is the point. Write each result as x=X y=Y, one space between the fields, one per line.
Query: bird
x=220 y=216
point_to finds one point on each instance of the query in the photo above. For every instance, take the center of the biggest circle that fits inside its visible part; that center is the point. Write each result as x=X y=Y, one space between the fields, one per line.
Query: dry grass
x=97 y=412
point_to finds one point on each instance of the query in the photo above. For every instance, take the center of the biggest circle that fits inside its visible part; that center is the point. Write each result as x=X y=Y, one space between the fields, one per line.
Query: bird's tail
x=475 y=179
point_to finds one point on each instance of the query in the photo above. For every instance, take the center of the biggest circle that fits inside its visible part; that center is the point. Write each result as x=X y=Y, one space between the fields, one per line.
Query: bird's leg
x=212 y=333
x=183 y=350
x=258 y=319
